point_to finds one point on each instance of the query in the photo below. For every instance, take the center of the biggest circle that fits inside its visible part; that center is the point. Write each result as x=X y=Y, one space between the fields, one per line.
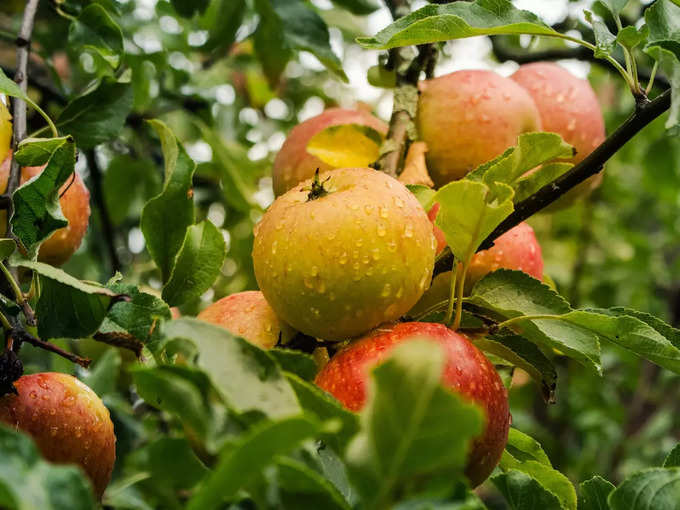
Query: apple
x=5 y=130
x=293 y=164
x=467 y=372
x=338 y=255
x=469 y=117
x=248 y=315
x=68 y=422
x=75 y=206
x=569 y=107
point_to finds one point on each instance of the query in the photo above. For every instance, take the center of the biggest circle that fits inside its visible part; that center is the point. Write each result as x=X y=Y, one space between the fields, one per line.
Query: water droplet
x=79 y=432
x=353 y=206
x=392 y=246
x=560 y=98
x=375 y=253
x=381 y=230
x=399 y=202
x=359 y=243
x=572 y=125
x=330 y=236
x=274 y=245
x=384 y=213
x=279 y=225
x=356 y=266
x=309 y=283
x=53 y=412
x=484 y=117
x=316 y=312
x=400 y=292
x=368 y=208
x=33 y=395
x=54 y=431
x=321 y=286
x=268 y=328
x=314 y=271
x=343 y=258
x=386 y=291
x=408 y=230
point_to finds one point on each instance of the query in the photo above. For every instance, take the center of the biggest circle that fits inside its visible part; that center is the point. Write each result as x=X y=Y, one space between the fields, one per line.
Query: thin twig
x=122 y=340
x=591 y=165
x=100 y=202
x=23 y=336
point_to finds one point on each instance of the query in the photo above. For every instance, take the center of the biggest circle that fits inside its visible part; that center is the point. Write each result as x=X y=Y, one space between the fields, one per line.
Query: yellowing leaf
x=415 y=169
x=5 y=131
x=346 y=145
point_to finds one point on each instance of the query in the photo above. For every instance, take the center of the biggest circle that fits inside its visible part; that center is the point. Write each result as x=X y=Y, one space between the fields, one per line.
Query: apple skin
x=75 y=206
x=337 y=266
x=467 y=372
x=569 y=107
x=68 y=422
x=248 y=315
x=470 y=117
x=293 y=164
x=5 y=131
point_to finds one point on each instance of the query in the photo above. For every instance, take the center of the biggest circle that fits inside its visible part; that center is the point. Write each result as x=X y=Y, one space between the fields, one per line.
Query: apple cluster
x=344 y=254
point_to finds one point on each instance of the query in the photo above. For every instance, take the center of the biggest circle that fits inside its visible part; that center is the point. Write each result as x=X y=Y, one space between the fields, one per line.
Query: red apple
x=569 y=107
x=293 y=164
x=467 y=372
x=248 y=315
x=68 y=422
x=470 y=117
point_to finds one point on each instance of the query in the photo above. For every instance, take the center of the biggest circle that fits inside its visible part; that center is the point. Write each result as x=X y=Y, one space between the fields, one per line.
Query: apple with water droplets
x=68 y=422
x=338 y=255
x=569 y=107
x=467 y=372
x=248 y=315
x=75 y=206
x=467 y=118
x=293 y=164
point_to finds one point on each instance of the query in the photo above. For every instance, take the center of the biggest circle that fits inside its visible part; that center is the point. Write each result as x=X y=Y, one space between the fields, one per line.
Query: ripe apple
x=68 y=422
x=470 y=117
x=354 y=252
x=248 y=315
x=75 y=205
x=568 y=106
x=467 y=372
x=5 y=130
x=293 y=164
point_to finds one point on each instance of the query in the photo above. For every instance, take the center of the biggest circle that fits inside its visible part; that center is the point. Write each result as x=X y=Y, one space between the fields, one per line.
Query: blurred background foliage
x=231 y=91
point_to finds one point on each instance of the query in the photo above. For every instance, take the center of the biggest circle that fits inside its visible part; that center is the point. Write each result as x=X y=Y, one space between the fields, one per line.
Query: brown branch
x=122 y=340
x=20 y=335
x=645 y=113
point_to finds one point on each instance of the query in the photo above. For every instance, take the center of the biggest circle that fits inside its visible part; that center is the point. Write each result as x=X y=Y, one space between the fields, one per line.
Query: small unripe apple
x=68 y=422
x=75 y=206
x=336 y=257
x=293 y=164
x=467 y=372
x=569 y=107
x=470 y=117
x=248 y=315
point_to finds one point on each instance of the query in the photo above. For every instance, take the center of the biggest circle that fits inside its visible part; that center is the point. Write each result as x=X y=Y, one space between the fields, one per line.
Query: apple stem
x=452 y=293
x=459 y=297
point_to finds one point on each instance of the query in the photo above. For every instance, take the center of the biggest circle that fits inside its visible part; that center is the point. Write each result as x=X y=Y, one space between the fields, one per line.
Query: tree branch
x=122 y=340
x=20 y=335
x=644 y=114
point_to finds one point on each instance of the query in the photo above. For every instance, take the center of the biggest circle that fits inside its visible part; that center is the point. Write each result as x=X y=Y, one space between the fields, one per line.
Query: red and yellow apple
x=569 y=107
x=354 y=252
x=248 y=315
x=293 y=164
x=75 y=206
x=467 y=372
x=68 y=422
x=469 y=117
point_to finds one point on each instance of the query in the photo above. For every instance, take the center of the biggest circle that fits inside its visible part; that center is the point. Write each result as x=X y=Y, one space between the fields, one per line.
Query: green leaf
x=67 y=307
x=439 y=23
x=241 y=462
x=98 y=115
x=174 y=464
x=514 y=293
x=198 y=264
x=7 y=247
x=346 y=145
x=222 y=19
x=178 y=391
x=673 y=458
x=247 y=377
x=9 y=87
x=522 y=492
x=296 y=362
x=605 y=41
x=295 y=25
x=359 y=7
x=424 y=194
x=188 y=8
x=28 y=482
x=525 y=355
x=548 y=478
x=594 y=493
x=651 y=489
x=140 y=314
x=36 y=203
x=326 y=408
x=630 y=37
x=523 y=447
x=166 y=217
x=96 y=31
x=122 y=200
x=468 y=213
x=613 y=6
x=424 y=432
x=531 y=183
x=302 y=487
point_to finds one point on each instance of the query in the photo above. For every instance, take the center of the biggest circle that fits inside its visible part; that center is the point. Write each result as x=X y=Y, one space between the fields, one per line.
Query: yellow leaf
x=346 y=146
x=415 y=169
x=5 y=131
